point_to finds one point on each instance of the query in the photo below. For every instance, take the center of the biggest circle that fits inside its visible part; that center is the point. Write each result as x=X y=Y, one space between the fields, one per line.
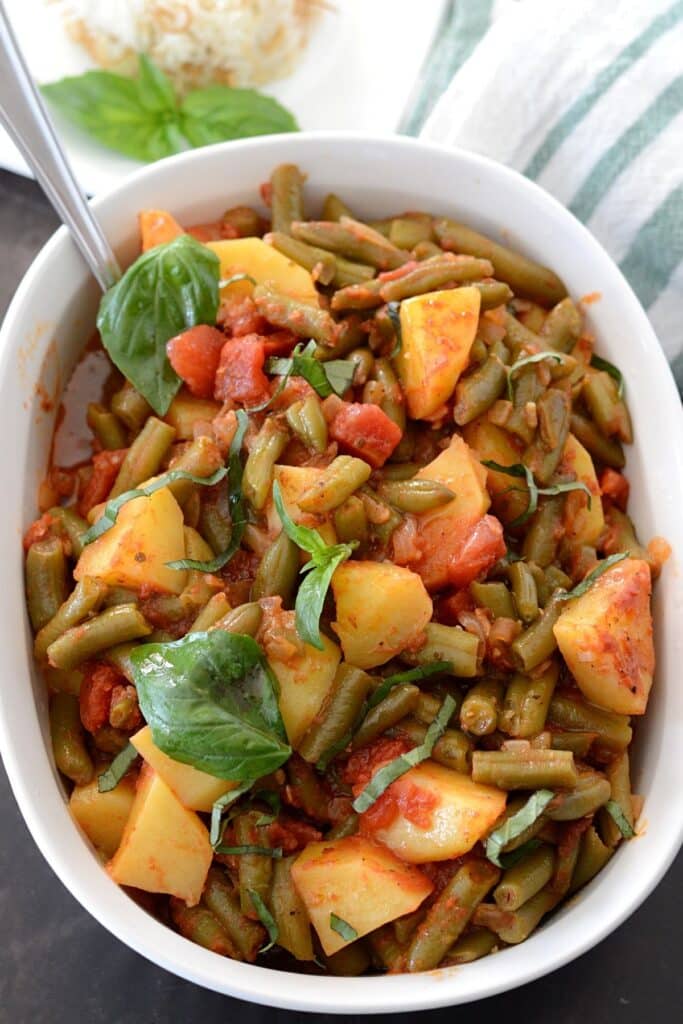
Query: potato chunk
x=437 y=813
x=459 y=469
x=293 y=481
x=266 y=265
x=165 y=847
x=382 y=609
x=195 y=790
x=361 y=882
x=103 y=816
x=184 y=412
x=605 y=637
x=582 y=525
x=147 y=534
x=438 y=330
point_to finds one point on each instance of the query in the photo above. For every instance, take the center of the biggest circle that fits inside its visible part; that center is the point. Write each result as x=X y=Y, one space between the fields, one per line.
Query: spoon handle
x=23 y=114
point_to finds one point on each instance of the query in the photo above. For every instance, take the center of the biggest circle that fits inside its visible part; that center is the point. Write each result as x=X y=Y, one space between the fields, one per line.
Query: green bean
x=556 y=578
x=428 y=707
x=516 y=926
x=607 y=409
x=106 y=427
x=524 y=769
x=45 y=580
x=479 y=352
x=306 y=420
x=86 y=597
x=364 y=295
x=474 y=944
x=348 y=334
x=383 y=518
x=544 y=453
x=307 y=789
x=606 y=449
x=350 y=961
x=406 y=926
x=495 y=597
x=449 y=915
x=543 y=588
x=621 y=536
x=416 y=495
x=268 y=446
x=527 y=390
x=479 y=711
x=538 y=642
x=544 y=532
x=526 y=704
x=321 y=264
x=216 y=608
x=113 y=626
x=432 y=276
x=525 y=878
x=201 y=457
x=477 y=392
x=392 y=402
x=590 y=792
x=386 y=949
x=221 y=899
x=566 y=857
x=519 y=338
x=338 y=713
x=364 y=365
x=613 y=731
x=254 y=869
x=523 y=590
x=339 y=481
x=427 y=251
x=399 y=702
x=350 y=520
x=335 y=208
x=245 y=220
x=579 y=743
x=246 y=618
x=201 y=927
x=290 y=913
x=68 y=739
x=619 y=782
x=453 y=749
x=124 y=710
x=562 y=326
x=448 y=643
x=214 y=521
x=492 y=294
x=352 y=239
x=408 y=231
x=277 y=571
x=528 y=278
x=300 y=318
x=73 y=525
x=130 y=407
x=145 y=455
x=59 y=681
x=593 y=855
x=347 y=827
x=286 y=196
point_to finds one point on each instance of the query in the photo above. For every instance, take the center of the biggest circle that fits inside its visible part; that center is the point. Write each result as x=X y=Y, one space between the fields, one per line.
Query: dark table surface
x=58 y=964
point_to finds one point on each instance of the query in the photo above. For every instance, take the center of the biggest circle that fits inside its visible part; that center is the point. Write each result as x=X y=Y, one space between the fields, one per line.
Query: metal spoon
x=23 y=114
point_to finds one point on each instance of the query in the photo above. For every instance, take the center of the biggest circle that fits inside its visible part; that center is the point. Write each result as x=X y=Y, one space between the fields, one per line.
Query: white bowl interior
x=50 y=320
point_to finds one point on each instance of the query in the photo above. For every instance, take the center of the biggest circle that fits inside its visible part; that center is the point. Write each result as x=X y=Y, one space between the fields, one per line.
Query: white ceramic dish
x=45 y=328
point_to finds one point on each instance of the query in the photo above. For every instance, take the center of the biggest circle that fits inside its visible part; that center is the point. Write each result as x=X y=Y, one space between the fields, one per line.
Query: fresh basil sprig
x=595 y=574
x=411 y=675
x=382 y=779
x=114 y=505
x=110 y=778
x=616 y=812
x=210 y=700
x=517 y=824
x=325 y=559
x=168 y=289
x=333 y=377
x=523 y=472
x=236 y=505
x=343 y=928
x=142 y=118
x=615 y=373
x=266 y=919
x=537 y=357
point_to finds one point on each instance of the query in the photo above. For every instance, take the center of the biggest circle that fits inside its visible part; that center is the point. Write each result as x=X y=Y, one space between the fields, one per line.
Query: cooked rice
x=196 y=42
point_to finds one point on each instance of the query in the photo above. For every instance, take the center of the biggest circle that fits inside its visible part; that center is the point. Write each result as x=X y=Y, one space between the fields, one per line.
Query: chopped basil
x=334 y=377
x=620 y=820
x=517 y=824
x=592 y=576
x=382 y=779
x=343 y=928
x=266 y=919
x=411 y=675
x=518 y=469
x=604 y=364
x=538 y=357
x=223 y=802
x=234 y=278
x=110 y=778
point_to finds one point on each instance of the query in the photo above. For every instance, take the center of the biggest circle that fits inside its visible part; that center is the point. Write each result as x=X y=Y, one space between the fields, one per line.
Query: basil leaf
x=110 y=778
x=620 y=820
x=320 y=569
x=517 y=469
x=168 y=289
x=339 y=373
x=275 y=852
x=382 y=779
x=210 y=700
x=518 y=823
x=114 y=505
x=432 y=668
x=234 y=278
x=538 y=357
x=603 y=364
x=266 y=919
x=592 y=576
x=238 y=512
x=216 y=833
x=394 y=314
x=343 y=928
x=334 y=377
x=508 y=860
x=218 y=113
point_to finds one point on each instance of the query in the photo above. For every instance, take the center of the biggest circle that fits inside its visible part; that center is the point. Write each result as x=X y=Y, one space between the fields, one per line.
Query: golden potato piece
x=459 y=469
x=293 y=481
x=103 y=816
x=196 y=790
x=582 y=525
x=266 y=265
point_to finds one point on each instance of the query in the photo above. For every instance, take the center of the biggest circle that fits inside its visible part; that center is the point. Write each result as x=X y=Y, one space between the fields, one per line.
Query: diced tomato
x=212 y=232
x=238 y=576
x=615 y=486
x=279 y=343
x=38 y=530
x=366 y=431
x=455 y=552
x=291 y=834
x=240 y=377
x=95 y=694
x=157 y=227
x=449 y=607
x=194 y=355
x=239 y=316
x=105 y=469
x=363 y=764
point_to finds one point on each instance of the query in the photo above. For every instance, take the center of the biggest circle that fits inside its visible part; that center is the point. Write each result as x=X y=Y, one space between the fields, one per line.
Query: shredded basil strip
x=270 y=797
x=114 y=505
x=382 y=779
x=216 y=833
x=343 y=928
x=266 y=919
x=615 y=373
x=538 y=357
x=517 y=824
x=238 y=512
x=508 y=860
x=110 y=778
x=594 y=575
x=518 y=469
x=234 y=278
x=333 y=377
x=275 y=852
x=394 y=314
x=620 y=820
x=411 y=675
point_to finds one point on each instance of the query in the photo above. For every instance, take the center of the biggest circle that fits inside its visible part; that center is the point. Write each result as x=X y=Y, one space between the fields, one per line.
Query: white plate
x=358 y=72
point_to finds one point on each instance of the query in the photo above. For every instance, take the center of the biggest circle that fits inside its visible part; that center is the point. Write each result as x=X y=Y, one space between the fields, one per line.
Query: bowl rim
x=165 y=948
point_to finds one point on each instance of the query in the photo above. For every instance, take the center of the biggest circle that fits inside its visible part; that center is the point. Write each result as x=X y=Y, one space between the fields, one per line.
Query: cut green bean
x=480 y=708
x=399 y=702
x=474 y=944
x=338 y=714
x=495 y=597
x=524 y=769
x=130 y=407
x=246 y=618
x=45 y=580
x=301 y=318
x=392 y=402
x=144 y=457
x=544 y=453
x=286 y=196
x=408 y=231
x=307 y=789
x=562 y=326
x=68 y=739
x=202 y=457
x=516 y=926
x=525 y=878
x=537 y=642
x=200 y=926
x=277 y=571
x=86 y=597
x=350 y=961
x=433 y=276
x=451 y=644
x=74 y=527
x=492 y=294
x=607 y=409
x=527 y=700
x=590 y=792
x=352 y=239
x=453 y=749
x=339 y=481
x=290 y=913
x=351 y=521
x=416 y=495
x=335 y=208
x=114 y=626
x=477 y=392
x=593 y=855
x=106 y=427
x=605 y=449
x=268 y=446
x=254 y=870
x=613 y=731
x=524 y=590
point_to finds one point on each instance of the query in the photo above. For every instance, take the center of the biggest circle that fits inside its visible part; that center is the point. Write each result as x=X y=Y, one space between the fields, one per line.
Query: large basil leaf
x=218 y=113
x=168 y=289
x=210 y=700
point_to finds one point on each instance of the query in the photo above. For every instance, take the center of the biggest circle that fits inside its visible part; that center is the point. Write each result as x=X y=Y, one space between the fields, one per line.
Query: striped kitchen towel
x=586 y=98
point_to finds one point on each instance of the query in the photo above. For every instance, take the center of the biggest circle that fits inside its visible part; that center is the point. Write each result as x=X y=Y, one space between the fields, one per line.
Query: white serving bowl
x=49 y=321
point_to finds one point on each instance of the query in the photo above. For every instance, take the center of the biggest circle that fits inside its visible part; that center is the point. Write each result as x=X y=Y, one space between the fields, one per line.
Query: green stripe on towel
x=656 y=250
